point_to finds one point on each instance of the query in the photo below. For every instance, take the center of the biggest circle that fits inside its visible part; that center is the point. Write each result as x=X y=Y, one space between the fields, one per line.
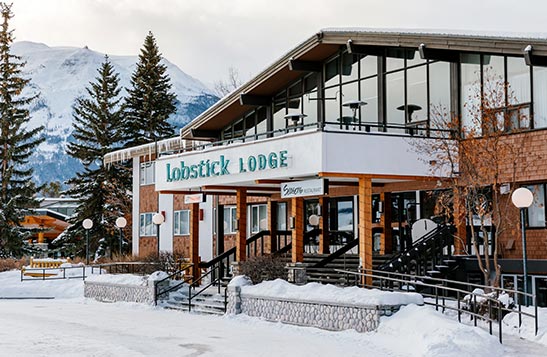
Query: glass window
x=309 y=105
x=540 y=93
x=369 y=94
x=350 y=92
x=518 y=80
x=261 y=122
x=536 y=212
x=182 y=222
x=345 y=215
x=417 y=93
x=250 y=126
x=147 y=173
x=259 y=218
x=332 y=105
x=350 y=67
x=439 y=89
x=282 y=216
x=395 y=98
x=230 y=219
x=394 y=63
x=279 y=121
x=470 y=92
x=369 y=66
x=146 y=226
x=332 y=72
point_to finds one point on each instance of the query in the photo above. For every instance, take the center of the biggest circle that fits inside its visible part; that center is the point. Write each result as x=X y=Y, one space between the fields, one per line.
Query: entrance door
x=311 y=232
x=341 y=221
x=403 y=211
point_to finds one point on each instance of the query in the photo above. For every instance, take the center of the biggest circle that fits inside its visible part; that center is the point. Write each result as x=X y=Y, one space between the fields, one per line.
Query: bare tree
x=224 y=87
x=476 y=157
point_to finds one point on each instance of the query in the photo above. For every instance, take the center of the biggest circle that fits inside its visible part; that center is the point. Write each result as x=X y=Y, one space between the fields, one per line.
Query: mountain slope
x=61 y=74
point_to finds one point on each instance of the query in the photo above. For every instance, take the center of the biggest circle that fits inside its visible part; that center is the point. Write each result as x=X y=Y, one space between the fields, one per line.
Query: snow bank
x=240 y=280
x=527 y=329
x=329 y=293
x=158 y=275
x=11 y=286
x=124 y=279
x=422 y=331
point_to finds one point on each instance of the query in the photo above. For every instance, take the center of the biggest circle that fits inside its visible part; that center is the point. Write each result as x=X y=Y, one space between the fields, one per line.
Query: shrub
x=262 y=268
x=12 y=264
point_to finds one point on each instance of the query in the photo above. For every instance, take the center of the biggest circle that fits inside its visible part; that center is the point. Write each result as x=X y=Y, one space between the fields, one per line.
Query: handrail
x=174 y=287
x=458 y=292
x=421 y=241
x=211 y=283
x=414 y=277
x=218 y=258
x=350 y=245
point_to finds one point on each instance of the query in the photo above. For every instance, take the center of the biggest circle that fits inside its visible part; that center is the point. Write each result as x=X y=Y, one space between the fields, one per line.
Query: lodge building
x=317 y=153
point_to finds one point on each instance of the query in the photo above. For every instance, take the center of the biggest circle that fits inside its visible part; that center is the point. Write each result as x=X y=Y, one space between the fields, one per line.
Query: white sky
x=204 y=38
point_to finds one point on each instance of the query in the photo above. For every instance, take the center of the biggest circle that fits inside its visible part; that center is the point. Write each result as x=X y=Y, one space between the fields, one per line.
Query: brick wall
x=147 y=246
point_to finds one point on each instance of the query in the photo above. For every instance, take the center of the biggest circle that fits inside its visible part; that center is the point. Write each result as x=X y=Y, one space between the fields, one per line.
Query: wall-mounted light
x=528 y=55
x=292 y=222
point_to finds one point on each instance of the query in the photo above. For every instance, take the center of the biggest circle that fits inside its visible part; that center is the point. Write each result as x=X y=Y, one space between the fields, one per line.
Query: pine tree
x=150 y=101
x=17 y=141
x=102 y=190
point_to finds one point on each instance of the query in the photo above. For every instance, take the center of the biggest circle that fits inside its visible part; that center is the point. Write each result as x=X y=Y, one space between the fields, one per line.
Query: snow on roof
x=442 y=32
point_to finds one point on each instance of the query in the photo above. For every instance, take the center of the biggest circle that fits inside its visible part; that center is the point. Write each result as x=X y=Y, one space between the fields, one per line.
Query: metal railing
x=59 y=273
x=178 y=273
x=443 y=292
x=212 y=282
x=143 y=268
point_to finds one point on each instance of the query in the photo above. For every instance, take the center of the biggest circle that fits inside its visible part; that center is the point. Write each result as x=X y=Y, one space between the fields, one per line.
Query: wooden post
x=365 y=226
x=297 y=212
x=386 y=244
x=324 y=242
x=272 y=224
x=194 y=239
x=241 y=215
x=460 y=241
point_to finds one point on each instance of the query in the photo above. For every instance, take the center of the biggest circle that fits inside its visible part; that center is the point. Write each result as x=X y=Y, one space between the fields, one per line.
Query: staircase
x=207 y=302
x=431 y=255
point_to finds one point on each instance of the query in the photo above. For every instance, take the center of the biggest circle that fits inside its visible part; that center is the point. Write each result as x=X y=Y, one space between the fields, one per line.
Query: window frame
x=144 y=168
x=177 y=222
x=144 y=227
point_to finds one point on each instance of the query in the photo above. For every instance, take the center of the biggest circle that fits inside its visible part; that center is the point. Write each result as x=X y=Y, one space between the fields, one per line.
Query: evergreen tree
x=150 y=101
x=17 y=141
x=102 y=190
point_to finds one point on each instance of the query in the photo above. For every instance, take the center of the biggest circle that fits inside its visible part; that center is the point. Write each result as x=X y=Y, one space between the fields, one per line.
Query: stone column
x=365 y=226
x=324 y=240
x=241 y=236
x=194 y=239
x=386 y=244
x=297 y=212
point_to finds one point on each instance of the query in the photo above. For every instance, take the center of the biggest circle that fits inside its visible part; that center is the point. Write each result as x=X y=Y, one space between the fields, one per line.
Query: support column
x=241 y=236
x=460 y=241
x=272 y=225
x=386 y=243
x=365 y=226
x=324 y=240
x=297 y=212
x=194 y=239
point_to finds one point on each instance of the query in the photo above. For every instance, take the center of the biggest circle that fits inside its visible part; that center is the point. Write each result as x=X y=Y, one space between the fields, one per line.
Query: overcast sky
x=205 y=37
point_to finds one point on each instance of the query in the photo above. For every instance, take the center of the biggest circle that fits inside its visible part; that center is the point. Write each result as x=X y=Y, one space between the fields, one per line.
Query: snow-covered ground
x=71 y=324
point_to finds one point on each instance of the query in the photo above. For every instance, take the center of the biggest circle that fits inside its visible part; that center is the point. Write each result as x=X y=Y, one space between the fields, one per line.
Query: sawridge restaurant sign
x=224 y=166
x=315 y=187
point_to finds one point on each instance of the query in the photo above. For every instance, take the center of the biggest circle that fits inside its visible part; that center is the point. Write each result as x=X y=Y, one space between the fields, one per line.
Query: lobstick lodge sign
x=224 y=166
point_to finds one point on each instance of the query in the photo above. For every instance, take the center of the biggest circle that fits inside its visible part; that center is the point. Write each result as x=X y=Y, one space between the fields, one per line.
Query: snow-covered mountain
x=61 y=74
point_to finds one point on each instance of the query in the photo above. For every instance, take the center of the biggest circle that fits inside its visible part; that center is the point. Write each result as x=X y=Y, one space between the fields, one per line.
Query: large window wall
x=401 y=93
x=503 y=86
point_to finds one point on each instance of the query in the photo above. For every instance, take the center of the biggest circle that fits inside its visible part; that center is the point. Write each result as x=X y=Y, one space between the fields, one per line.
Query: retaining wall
x=110 y=292
x=335 y=316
